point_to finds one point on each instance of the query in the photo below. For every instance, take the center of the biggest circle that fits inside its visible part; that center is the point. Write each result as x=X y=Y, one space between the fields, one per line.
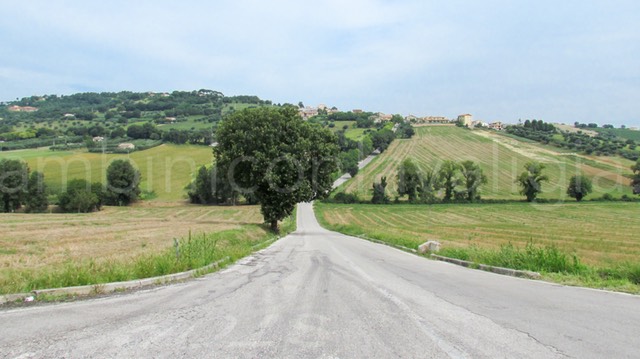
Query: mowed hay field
x=502 y=159
x=165 y=169
x=600 y=233
x=40 y=243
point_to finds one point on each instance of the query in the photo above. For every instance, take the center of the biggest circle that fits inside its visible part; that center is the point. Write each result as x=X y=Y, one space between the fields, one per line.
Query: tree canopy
x=635 y=181
x=473 y=178
x=531 y=179
x=123 y=182
x=81 y=196
x=14 y=175
x=272 y=154
x=409 y=180
x=579 y=187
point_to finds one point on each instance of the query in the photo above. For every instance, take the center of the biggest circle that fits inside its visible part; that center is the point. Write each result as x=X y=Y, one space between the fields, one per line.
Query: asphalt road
x=319 y=294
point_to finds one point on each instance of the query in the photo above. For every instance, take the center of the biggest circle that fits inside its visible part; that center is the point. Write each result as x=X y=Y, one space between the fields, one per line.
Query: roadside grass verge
x=191 y=252
x=592 y=245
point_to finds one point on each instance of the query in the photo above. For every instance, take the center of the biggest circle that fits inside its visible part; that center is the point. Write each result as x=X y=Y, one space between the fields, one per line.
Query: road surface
x=319 y=294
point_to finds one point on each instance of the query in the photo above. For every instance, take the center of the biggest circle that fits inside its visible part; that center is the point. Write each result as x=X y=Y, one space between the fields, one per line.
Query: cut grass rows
x=600 y=233
x=587 y=244
x=501 y=158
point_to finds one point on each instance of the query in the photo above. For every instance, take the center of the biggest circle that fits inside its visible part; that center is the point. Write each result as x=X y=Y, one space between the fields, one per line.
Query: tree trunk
x=274 y=226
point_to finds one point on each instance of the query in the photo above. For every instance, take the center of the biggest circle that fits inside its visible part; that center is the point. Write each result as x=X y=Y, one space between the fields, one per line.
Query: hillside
x=502 y=158
x=177 y=117
x=165 y=170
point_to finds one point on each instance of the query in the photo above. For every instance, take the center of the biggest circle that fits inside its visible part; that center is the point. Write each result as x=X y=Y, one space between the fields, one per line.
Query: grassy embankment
x=122 y=243
x=502 y=159
x=165 y=170
x=602 y=236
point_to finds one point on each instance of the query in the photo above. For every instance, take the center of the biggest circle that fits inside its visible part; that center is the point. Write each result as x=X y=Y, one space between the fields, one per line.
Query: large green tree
x=429 y=187
x=531 y=179
x=36 y=200
x=276 y=157
x=579 y=187
x=379 y=192
x=635 y=180
x=14 y=176
x=210 y=188
x=447 y=177
x=81 y=196
x=123 y=182
x=409 y=180
x=349 y=161
x=473 y=178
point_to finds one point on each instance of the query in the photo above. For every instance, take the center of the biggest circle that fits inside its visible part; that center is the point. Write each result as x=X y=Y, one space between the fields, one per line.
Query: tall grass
x=531 y=257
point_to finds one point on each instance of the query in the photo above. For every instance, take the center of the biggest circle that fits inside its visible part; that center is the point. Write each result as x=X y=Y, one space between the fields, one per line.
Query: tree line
x=602 y=144
x=461 y=182
x=19 y=187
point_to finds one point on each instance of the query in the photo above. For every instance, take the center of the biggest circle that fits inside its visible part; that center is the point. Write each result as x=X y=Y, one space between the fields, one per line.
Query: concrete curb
x=487 y=268
x=402 y=248
x=484 y=267
x=112 y=287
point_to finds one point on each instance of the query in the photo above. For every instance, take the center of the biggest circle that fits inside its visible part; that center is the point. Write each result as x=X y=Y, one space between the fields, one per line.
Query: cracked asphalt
x=319 y=294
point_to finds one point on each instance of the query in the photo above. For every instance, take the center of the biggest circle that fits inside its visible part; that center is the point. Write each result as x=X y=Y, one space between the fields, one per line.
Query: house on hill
x=307 y=112
x=434 y=120
x=15 y=108
x=466 y=120
x=380 y=117
x=126 y=146
x=498 y=126
x=411 y=118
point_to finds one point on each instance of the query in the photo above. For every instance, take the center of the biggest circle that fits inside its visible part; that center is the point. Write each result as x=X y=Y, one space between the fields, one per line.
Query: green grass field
x=190 y=123
x=599 y=232
x=165 y=169
x=502 y=159
x=597 y=242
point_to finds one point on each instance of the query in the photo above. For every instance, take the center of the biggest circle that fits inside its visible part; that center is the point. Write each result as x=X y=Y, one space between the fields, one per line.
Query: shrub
x=347 y=198
x=81 y=197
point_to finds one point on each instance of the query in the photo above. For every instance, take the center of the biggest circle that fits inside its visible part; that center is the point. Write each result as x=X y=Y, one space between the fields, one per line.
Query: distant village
x=465 y=119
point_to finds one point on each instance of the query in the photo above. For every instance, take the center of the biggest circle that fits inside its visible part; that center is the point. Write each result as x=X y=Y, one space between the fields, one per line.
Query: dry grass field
x=37 y=243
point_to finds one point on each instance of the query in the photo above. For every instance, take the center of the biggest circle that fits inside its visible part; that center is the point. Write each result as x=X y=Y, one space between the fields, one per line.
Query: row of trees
x=19 y=187
x=602 y=144
x=459 y=181
x=462 y=182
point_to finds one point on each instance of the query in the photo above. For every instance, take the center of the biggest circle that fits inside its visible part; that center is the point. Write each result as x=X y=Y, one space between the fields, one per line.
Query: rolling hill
x=165 y=170
x=502 y=159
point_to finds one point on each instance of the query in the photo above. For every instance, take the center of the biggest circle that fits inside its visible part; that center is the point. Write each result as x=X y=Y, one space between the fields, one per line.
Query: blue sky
x=559 y=61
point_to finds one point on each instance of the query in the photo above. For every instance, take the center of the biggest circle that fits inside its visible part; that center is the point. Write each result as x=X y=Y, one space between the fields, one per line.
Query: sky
x=499 y=60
